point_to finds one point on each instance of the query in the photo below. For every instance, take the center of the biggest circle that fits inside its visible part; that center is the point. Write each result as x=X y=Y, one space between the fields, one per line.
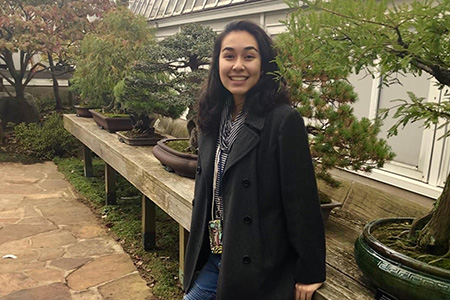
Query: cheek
x=223 y=72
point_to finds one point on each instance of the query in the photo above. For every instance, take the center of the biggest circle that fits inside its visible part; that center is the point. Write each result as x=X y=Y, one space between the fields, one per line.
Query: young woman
x=257 y=230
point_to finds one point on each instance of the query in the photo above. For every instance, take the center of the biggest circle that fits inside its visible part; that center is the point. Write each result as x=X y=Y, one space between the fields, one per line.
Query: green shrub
x=46 y=141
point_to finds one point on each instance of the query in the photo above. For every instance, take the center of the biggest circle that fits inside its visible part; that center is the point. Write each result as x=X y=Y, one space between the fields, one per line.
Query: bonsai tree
x=340 y=37
x=169 y=79
x=143 y=94
x=107 y=56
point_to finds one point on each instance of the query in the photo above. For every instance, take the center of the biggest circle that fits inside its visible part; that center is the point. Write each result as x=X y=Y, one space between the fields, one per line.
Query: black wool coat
x=273 y=233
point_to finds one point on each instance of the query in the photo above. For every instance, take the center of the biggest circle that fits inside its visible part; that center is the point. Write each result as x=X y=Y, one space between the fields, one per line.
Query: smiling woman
x=257 y=230
x=239 y=66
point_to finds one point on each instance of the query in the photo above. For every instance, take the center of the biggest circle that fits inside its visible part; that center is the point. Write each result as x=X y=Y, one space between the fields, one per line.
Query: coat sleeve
x=300 y=200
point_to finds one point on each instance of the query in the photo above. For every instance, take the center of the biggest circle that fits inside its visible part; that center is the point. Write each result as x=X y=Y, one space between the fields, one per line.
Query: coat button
x=246 y=259
x=199 y=169
x=246 y=182
x=193 y=202
x=248 y=220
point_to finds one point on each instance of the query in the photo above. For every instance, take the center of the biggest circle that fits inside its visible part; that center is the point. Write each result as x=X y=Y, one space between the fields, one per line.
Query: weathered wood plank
x=148 y=223
x=369 y=204
x=341 y=234
x=340 y=287
x=110 y=185
x=184 y=236
x=170 y=192
x=87 y=162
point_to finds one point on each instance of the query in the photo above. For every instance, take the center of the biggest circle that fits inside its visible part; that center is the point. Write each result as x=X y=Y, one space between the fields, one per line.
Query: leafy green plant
x=48 y=140
x=107 y=56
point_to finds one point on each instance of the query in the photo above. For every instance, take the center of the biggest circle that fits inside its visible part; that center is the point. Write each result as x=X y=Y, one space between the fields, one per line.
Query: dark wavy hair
x=260 y=99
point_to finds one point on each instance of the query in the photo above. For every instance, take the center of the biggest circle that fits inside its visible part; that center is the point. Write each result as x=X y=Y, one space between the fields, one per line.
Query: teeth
x=238 y=78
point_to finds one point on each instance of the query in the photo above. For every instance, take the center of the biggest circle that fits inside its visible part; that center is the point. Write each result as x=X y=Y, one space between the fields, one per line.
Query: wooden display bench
x=174 y=195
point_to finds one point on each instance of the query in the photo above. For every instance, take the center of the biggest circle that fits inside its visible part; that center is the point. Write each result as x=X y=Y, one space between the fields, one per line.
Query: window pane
x=409 y=139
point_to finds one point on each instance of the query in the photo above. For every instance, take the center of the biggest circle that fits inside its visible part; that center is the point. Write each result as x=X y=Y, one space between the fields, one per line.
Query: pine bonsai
x=169 y=79
x=340 y=36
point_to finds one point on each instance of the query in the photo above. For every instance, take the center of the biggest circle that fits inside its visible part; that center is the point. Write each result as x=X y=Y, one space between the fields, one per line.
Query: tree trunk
x=435 y=236
x=19 y=89
x=70 y=96
x=58 y=104
x=27 y=113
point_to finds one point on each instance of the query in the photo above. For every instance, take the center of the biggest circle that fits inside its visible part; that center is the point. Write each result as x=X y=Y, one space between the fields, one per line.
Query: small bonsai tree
x=383 y=37
x=169 y=79
x=107 y=56
x=143 y=94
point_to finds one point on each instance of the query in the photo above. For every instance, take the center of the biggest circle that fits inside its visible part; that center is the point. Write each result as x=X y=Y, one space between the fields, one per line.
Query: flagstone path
x=52 y=247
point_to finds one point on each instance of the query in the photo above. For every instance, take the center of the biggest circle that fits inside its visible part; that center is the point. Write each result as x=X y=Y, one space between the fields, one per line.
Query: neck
x=238 y=106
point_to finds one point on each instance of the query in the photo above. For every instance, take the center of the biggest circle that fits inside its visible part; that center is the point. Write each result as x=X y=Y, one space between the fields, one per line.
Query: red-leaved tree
x=30 y=29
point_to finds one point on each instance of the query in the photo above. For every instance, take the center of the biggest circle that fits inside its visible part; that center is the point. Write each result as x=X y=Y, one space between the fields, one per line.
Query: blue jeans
x=205 y=285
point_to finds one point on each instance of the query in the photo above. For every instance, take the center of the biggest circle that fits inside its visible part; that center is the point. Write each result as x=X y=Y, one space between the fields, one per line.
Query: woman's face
x=239 y=63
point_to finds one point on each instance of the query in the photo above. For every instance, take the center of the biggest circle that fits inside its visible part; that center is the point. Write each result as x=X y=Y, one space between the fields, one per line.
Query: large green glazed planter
x=396 y=273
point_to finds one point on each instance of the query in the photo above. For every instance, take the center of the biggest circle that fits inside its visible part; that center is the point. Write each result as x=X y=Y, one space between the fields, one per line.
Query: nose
x=238 y=66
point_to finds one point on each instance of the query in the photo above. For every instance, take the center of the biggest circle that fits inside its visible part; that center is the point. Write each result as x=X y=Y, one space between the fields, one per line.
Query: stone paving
x=52 y=247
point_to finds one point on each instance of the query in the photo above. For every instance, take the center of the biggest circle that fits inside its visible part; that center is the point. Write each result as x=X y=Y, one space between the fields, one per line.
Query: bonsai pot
x=111 y=124
x=138 y=140
x=82 y=111
x=397 y=274
x=327 y=208
x=183 y=164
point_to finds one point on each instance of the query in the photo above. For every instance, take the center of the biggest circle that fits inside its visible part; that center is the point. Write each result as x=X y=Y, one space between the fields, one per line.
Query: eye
x=228 y=56
x=249 y=57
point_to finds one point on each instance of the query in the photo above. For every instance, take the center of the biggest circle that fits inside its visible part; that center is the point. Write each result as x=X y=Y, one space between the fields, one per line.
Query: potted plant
x=143 y=94
x=106 y=57
x=179 y=155
x=84 y=105
x=183 y=57
x=412 y=262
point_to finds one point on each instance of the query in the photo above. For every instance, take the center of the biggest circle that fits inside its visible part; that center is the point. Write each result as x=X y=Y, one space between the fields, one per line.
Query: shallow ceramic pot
x=327 y=208
x=138 y=141
x=396 y=273
x=83 y=111
x=111 y=124
x=183 y=164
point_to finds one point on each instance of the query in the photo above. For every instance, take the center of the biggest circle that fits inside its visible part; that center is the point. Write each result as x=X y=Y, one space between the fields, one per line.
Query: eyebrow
x=246 y=48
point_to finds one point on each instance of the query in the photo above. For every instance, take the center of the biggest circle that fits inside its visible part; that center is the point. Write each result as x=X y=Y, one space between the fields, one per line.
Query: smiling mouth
x=238 y=78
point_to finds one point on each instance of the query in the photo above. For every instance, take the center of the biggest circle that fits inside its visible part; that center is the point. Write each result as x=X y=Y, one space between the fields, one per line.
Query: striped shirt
x=229 y=131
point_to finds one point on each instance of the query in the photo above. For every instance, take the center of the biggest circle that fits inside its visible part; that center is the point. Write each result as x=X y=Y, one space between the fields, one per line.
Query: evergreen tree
x=169 y=79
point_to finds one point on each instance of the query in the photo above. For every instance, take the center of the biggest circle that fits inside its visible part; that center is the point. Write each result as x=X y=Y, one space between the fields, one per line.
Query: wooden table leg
x=110 y=185
x=184 y=235
x=87 y=158
x=148 y=223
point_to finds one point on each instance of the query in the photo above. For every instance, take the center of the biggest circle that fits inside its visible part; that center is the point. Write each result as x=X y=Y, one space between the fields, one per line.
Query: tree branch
x=33 y=73
x=6 y=78
x=354 y=19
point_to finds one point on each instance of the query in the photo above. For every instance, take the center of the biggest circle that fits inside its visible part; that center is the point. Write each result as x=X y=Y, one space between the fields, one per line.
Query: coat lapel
x=246 y=140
